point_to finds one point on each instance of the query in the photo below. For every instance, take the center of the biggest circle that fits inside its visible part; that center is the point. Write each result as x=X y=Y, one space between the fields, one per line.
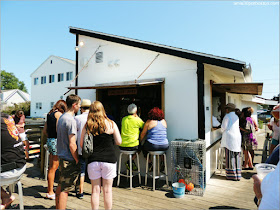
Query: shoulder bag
x=87 y=149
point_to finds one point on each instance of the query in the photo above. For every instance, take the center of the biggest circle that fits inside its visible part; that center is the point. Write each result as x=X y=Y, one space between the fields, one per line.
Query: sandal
x=4 y=206
x=51 y=197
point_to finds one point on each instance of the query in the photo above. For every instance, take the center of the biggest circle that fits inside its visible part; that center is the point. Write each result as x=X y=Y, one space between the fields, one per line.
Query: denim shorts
x=51 y=143
x=274 y=142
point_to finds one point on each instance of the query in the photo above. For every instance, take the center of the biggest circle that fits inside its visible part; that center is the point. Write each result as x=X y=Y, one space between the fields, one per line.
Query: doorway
x=116 y=100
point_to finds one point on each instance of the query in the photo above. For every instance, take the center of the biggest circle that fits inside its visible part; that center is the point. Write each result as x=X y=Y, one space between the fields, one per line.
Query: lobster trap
x=188 y=163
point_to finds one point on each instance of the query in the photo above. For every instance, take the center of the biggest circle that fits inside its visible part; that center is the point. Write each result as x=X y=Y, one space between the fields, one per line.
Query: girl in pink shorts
x=102 y=163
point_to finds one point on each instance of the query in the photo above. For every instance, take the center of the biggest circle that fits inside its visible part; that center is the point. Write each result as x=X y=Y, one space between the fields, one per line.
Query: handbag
x=87 y=149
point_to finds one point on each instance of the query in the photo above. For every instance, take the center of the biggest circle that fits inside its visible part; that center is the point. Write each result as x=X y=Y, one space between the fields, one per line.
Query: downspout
x=200 y=101
x=77 y=62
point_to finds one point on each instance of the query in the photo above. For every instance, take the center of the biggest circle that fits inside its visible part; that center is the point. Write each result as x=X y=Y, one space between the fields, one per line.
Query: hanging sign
x=117 y=92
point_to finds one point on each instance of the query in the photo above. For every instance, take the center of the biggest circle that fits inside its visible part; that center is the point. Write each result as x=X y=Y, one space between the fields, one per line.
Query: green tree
x=10 y=81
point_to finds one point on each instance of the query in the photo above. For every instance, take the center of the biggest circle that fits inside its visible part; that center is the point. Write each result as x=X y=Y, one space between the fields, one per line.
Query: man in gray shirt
x=69 y=167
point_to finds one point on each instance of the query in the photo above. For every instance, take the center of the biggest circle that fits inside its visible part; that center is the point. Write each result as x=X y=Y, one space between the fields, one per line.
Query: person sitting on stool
x=130 y=133
x=13 y=162
x=156 y=130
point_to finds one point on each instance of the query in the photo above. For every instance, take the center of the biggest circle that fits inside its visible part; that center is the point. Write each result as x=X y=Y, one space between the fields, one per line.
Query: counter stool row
x=155 y=155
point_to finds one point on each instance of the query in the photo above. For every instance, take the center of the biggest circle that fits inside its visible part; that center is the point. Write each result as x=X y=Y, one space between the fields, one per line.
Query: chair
x=155 y=155
x=46 y=166
x=129 y=153
x=11 y=183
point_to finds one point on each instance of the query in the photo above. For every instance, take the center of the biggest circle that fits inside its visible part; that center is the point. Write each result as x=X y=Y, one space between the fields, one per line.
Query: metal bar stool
x=156 y=154
x=129 y=153
x=11 y=183
x=46 y=166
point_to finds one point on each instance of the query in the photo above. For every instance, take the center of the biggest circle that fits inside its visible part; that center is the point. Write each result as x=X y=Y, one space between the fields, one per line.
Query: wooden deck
x=219 y=194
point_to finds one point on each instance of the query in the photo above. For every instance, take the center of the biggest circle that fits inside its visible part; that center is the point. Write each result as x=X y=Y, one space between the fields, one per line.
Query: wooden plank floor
x=219 y=194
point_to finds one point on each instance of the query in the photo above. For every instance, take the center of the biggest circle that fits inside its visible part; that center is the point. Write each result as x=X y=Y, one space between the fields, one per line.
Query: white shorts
x=97 y=170
x=22 y=136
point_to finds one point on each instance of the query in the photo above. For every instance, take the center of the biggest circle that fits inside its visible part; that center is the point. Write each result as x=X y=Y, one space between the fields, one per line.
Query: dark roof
x=179 y=52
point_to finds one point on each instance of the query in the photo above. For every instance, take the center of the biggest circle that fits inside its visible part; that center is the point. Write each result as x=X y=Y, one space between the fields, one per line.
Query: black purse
x=87 y=149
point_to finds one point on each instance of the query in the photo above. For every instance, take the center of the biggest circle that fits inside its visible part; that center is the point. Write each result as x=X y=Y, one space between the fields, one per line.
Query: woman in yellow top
x=130 y=131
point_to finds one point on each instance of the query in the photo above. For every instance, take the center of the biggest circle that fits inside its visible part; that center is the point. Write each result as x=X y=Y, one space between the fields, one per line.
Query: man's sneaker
x=80 y=195
x=134 y=166
x=127 y=165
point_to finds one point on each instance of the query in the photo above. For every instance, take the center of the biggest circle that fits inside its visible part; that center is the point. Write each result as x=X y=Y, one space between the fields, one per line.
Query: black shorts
x=136 y=148
x=147 y=146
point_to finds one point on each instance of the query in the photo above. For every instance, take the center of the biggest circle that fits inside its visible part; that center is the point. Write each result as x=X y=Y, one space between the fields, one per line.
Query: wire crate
x=188 y=163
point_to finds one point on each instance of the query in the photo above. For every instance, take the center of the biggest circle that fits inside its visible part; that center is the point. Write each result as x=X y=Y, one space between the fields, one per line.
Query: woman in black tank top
x=50 y=131
x=102 y=163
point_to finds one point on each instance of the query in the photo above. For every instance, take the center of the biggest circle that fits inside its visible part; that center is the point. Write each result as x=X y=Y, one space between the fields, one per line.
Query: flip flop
x=51 y=197
x=4 y=206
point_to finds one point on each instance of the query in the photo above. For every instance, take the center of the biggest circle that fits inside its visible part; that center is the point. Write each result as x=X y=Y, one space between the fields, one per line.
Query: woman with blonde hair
x=50 y=131
x=102 y=163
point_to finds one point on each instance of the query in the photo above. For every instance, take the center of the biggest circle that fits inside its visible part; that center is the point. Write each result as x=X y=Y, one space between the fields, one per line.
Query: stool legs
x=138 y=165
x=119 y=171
x=46 y=163
x=154 y=172
x=156 y=168
x=130 y=171
x=20 y=195
x=147 y=165
x=165 y=169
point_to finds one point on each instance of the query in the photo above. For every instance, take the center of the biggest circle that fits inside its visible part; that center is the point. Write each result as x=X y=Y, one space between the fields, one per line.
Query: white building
x=12 y=97
x=48 y=84
x=189 y=86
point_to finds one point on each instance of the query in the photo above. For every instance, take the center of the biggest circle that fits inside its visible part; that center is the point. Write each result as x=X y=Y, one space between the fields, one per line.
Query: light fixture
x=81 y=43
x=77 y=48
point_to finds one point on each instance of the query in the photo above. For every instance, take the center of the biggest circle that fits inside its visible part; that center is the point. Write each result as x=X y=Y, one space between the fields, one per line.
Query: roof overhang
x=125 y=84
x=239 y=88
x=178 y=52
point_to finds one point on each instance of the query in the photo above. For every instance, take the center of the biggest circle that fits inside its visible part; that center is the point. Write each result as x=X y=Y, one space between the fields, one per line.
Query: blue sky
x=31 y=31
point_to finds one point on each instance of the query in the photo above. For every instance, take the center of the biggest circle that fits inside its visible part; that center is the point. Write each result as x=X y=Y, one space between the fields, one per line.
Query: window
x=52 y=103
x=69 y=76
x=99 y=57
x=39 y=105
x=36 y=81
x=60 y=77
x=51 y=78
x=43 y=80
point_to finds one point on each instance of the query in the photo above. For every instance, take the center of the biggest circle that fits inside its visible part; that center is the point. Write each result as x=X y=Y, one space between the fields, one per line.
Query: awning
x=126 y=84
x=239 y=88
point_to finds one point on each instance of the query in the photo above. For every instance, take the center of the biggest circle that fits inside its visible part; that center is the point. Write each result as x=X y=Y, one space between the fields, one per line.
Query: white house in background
x=189 y=86
x=49 y=82
x=12 y=97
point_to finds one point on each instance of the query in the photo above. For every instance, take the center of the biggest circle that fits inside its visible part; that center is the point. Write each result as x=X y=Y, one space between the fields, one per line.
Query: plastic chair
x=129 y=153
x=11 y=183
x=46 y=166
x=155 y=155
